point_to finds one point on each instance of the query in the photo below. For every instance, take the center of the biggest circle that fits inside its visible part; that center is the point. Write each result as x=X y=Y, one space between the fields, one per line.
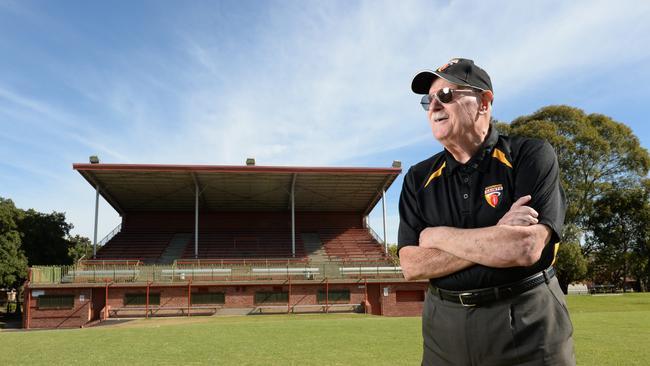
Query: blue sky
x=316 y=83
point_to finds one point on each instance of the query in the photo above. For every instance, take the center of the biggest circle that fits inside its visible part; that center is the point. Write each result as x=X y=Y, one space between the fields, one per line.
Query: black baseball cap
x=460 y=71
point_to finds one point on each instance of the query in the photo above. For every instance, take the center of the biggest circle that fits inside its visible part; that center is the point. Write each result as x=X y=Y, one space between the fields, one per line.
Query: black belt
x=487 y=295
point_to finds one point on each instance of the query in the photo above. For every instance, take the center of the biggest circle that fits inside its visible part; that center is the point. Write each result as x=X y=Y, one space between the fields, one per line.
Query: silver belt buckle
x=460 y=297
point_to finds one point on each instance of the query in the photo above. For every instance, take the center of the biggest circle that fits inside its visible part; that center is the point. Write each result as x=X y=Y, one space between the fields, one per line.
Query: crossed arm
x=516 y=240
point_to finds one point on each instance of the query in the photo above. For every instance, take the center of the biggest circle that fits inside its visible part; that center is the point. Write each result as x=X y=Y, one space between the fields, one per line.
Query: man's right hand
x=520 y=214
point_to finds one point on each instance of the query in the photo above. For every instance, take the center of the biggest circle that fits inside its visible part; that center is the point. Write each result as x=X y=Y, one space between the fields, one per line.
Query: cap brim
x=422 y=81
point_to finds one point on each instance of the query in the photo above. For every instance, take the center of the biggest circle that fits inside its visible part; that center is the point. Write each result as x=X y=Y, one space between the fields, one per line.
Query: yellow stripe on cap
x=557 y=247
x=435 y=174
x=500 y=156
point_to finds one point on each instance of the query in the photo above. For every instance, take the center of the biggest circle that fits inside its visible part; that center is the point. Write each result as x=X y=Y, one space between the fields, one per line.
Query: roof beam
x=291 y=189
x=200 y=187
x=90 y=177
x=154 y=189
x=341 y=201
x=377 y=197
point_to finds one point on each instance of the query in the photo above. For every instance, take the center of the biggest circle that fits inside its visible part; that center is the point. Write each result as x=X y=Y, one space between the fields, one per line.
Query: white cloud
x=316 y=84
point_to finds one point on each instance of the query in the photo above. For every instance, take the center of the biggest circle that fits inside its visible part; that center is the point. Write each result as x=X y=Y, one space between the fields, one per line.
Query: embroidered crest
x=493 y=194
x=451 y=62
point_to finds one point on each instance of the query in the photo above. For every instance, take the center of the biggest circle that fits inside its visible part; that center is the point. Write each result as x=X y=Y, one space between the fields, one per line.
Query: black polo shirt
x=440 y=191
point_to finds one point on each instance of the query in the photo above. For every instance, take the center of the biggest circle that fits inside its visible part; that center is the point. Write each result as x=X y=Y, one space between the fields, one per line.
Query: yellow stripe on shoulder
x=500 y=156
x=555 y=249
x=436 y=174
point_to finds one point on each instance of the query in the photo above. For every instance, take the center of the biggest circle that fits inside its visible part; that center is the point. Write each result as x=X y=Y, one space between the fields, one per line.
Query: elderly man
x=482 y=221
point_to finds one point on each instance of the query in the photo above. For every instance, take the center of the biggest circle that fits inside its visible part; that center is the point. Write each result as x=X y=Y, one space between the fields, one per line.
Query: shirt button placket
x=465 y=193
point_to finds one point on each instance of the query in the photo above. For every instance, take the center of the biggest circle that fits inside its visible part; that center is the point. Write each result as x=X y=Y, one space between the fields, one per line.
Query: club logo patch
x=493 y=194
x=445 y=66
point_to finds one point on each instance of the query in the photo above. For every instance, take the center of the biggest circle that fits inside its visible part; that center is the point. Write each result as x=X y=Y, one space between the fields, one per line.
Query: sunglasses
x=444 y=96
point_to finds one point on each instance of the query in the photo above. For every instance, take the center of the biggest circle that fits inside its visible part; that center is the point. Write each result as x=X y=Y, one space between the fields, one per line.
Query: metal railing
x=375 y=235
x=110 y=235
x=220 y=272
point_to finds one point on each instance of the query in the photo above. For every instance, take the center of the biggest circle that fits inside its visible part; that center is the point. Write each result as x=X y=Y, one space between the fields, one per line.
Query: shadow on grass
x=10 y=320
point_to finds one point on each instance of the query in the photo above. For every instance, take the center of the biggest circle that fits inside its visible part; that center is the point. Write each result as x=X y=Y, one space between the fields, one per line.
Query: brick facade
x=89 y=302
x=392 y=307
x=77 y=316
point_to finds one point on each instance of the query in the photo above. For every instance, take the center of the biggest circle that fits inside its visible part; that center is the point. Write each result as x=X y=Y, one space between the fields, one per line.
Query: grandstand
x=228 y=240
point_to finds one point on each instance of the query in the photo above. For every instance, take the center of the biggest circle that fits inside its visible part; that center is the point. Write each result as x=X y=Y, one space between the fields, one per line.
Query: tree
x=596 y=155
x=392 y=254
x=13 y=264
x=571 y=264
x=80 y=247
x=620 y=234
x=45 y=238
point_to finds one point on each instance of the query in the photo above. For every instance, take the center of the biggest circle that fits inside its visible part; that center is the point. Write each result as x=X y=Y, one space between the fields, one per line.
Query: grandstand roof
x=135 y=187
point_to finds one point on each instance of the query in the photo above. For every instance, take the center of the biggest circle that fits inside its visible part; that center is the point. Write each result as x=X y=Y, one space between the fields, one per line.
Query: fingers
x=520 y=216
x=526 y=220
x=526 y=210
x=518 y=220
x=521 y=201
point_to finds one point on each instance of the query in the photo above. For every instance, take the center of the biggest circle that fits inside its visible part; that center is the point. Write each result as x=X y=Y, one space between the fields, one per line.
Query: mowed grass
x=253 y=340
x=609 y=330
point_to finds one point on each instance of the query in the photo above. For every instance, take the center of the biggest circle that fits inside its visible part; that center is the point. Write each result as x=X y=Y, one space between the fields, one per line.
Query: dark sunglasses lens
x=445 y=95
x=425 y=102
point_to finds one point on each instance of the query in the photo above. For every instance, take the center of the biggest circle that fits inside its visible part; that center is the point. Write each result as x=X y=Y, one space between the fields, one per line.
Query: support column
x=383 y=206
x=27 y=302
x=327 y=295
x=146 y=306
x=289 y=295
x=196 y=221
x=293 y=216
x=189 y=297
x=96 y=219
x=106 y=302
x=365 y=295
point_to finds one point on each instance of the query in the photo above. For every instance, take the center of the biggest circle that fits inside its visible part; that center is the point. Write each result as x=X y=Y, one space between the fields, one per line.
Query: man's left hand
x=520 y=214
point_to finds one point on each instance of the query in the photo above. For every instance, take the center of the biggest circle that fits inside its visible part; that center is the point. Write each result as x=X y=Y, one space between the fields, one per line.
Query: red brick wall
x=390 y=306
x=76 y=317
x=241 y=296
x=169 y=296
x=236 y=296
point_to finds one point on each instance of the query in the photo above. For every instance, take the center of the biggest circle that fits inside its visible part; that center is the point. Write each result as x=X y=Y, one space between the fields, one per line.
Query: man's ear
x=486 y=98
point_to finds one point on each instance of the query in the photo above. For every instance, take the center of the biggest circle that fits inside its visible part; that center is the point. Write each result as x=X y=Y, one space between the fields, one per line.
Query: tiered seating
x=351 y=244
x=348 y=244
x=249 y=243
x=147 y=245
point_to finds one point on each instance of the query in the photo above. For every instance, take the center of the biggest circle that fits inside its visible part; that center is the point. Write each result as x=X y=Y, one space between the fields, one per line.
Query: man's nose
x=435 y=105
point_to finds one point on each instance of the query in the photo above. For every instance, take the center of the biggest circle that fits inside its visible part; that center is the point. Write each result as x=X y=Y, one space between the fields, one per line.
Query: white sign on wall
x=385 y=291
x=82 y=298
x=37 y=293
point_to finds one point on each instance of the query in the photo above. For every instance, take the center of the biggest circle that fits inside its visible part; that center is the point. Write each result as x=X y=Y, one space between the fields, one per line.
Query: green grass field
x=609 y=330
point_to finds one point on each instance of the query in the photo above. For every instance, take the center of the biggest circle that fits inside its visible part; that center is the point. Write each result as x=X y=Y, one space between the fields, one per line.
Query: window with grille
x=334 y=296
x=140 y=299
x=271 y=297
x=410 y=296
x=55 y=301
x=199 y=298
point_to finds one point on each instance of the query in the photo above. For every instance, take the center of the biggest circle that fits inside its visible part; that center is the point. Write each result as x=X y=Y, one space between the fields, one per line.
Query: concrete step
x=175 y=248
x=234 y=311
x=314 y=247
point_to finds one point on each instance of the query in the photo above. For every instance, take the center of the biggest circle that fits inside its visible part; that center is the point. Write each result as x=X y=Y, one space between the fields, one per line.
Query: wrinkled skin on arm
x=516 y=240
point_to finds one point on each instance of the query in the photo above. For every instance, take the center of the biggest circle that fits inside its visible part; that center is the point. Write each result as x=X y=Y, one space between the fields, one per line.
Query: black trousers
x=532 y=328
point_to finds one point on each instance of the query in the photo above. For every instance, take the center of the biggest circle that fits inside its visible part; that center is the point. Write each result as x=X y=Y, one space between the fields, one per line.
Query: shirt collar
x=478 y=160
